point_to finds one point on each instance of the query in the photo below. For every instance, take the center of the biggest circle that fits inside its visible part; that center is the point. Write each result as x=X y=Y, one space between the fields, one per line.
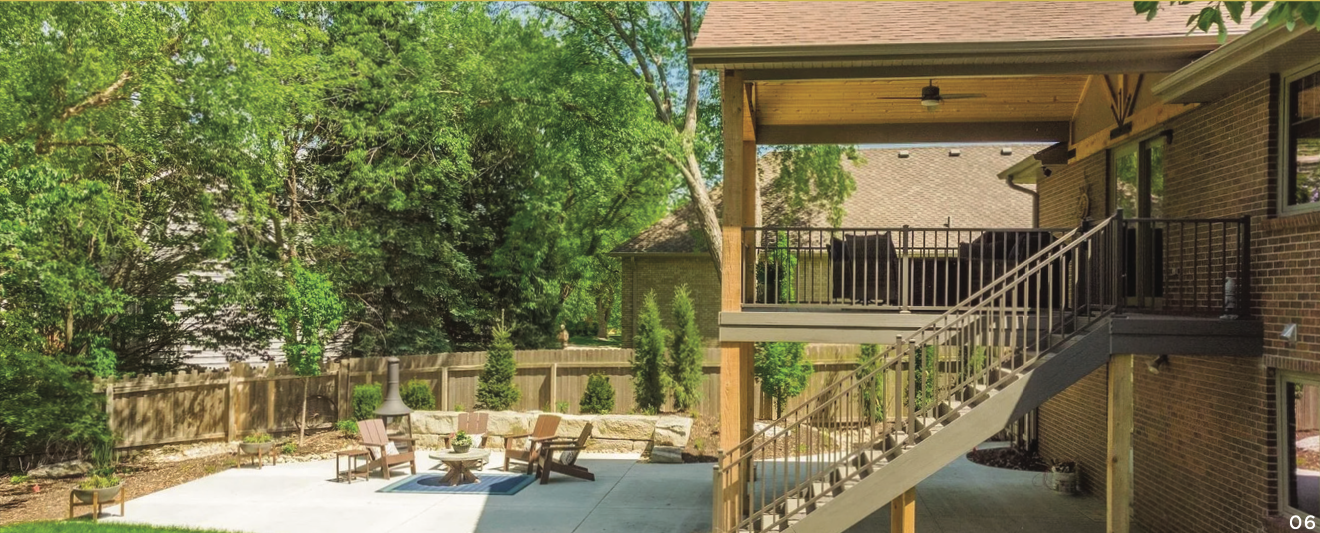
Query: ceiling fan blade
x=960 y=96
x=898 y=98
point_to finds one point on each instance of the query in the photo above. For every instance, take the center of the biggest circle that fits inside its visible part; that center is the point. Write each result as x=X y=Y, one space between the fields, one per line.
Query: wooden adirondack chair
x=376 y=440
x=526 y=447
x=560 y=455
x=475 y=425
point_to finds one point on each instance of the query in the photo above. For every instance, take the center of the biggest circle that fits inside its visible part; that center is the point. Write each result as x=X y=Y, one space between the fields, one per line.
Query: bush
x=648 y=357
x=366 y=399
x=349 y=427
x=598 y=399
x=289 y=448
x=783 y=370
x=495 y=388
x=872 y=391
x=686 y=355
x=257 y=438
x=45 y=406
x=417 y=395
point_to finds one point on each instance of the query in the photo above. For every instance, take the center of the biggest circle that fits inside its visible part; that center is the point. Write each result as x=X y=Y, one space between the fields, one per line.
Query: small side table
x=352 y=459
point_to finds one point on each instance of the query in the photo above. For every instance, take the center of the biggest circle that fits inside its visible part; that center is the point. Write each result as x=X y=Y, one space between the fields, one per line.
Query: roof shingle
x=926 y=189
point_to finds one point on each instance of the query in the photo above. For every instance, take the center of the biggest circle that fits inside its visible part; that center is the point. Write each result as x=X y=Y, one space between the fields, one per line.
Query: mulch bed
x=142 y=476
x=1010 y=458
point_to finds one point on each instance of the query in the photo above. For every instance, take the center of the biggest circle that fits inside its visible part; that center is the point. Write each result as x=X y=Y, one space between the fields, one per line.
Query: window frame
x=1285 y=140
x=1140 y=145
x=1282 y=403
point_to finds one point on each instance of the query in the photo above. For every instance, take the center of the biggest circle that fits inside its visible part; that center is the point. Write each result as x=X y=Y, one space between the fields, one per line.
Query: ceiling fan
x=931 y=97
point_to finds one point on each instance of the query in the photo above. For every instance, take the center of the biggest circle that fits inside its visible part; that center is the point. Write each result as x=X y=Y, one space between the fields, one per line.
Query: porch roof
x=761 y=35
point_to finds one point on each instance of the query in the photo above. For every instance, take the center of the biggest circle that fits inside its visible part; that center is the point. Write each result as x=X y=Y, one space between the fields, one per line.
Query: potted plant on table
x=462 y=442
x=257 y=444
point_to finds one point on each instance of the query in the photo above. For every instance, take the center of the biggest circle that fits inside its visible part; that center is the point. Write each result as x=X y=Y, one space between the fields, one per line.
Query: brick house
x=926 y=186
x=1166 y=343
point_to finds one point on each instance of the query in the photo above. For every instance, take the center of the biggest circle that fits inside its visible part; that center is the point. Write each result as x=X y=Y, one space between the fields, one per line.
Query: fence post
x=110 y=403
x=231 y=428
x=444 y=388
x=270 y=398
x=342 y=406
x=554 y=386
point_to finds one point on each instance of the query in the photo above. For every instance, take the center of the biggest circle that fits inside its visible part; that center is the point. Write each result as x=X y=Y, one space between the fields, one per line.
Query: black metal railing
x=1177 y=266
x=882 y=268
x=1187 y=266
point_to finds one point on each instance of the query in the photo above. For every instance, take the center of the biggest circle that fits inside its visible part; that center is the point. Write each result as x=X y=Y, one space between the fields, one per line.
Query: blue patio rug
x=494 y=484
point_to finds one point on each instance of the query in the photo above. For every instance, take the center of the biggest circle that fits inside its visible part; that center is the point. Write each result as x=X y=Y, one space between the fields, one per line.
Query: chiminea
x=393 y=406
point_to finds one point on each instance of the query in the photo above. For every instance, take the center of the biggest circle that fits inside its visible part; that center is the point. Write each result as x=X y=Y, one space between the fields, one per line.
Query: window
x=1137 y=175
x=1299 y=426
x=1300 y=188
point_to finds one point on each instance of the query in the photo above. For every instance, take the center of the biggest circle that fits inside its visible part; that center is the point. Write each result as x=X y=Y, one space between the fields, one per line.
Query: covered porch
x=864 y=74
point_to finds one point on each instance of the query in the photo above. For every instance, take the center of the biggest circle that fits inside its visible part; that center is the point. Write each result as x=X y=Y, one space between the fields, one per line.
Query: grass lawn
x=614 y=342
x=79 y=527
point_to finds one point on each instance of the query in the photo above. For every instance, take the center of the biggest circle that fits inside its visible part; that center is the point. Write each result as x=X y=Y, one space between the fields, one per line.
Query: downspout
x=1035 y=199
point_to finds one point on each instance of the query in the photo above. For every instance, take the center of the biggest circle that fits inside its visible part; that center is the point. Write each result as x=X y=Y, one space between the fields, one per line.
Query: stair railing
x=895 y=399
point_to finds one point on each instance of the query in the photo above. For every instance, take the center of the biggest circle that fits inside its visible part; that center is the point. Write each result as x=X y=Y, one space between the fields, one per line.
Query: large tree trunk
x=604 y=304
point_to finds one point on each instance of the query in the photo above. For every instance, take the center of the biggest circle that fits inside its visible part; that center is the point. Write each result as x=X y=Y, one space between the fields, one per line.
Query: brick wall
x=1061 y=192
x=1200 y=445
x=1204 y=444
x=663 y=273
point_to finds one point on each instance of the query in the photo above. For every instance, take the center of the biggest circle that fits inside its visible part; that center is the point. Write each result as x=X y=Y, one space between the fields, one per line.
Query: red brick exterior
x=1205 y=444
x=663 y=273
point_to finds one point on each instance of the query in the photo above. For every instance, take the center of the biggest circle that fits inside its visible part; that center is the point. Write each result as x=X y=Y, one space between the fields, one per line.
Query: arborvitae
x=783 y=370
x=648 y=358
x=599 y=396
x=686 y=355
x=495 y=388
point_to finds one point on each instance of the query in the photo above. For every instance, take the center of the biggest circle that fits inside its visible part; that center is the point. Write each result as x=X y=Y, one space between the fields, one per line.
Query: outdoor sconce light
x=1289 y=334
x=1157 y=364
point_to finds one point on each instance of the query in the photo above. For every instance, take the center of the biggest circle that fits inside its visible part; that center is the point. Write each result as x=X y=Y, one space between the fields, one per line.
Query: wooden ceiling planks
x=829 y=102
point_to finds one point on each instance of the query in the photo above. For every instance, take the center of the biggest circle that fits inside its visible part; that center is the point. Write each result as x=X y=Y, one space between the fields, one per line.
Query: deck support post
x=903 y=512
x=740 y=210
x=1119 y=457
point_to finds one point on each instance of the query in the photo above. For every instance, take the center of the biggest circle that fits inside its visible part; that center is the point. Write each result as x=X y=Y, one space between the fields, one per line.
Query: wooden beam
x=1151 y=64
x=903 y=512
x=735 y=357
x=1118 y=468
x=912 y=133
x=1142 y=122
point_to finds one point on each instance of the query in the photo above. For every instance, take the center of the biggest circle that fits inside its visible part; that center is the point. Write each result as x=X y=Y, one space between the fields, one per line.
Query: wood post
x=903 y=512
x=1119 y=457
x=444 y=389
x=110 y=403
x=231 y=426
x=554 y=387
x=270 y=399
x=344 y=407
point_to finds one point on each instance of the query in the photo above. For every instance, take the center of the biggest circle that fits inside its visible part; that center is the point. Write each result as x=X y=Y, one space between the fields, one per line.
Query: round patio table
x=459 y=464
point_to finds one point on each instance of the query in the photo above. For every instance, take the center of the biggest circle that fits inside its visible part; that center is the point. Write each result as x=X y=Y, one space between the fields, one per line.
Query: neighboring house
x=930 y=186
x=1175 y=358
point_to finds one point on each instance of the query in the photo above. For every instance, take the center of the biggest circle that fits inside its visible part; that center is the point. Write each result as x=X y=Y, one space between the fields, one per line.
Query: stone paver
x=628 y=497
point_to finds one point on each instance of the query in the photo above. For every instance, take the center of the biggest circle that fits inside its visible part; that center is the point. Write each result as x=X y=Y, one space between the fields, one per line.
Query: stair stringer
x=1050 y=376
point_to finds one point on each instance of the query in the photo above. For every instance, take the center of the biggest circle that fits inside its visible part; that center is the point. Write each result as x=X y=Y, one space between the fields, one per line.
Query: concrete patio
x=628 y=496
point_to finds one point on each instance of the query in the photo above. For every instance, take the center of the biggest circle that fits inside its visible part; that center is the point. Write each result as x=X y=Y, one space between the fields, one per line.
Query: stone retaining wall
x=612 y=433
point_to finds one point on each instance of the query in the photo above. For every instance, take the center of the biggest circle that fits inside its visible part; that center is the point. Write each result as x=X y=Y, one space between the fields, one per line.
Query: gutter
x=1028 y=166
x=1035 y=200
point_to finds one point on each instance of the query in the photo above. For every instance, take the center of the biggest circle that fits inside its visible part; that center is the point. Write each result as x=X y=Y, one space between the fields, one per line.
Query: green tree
x=687 y=355
x=311 y=315
x=1279 y=13
x=650 y=40
x=782 y=369
x=495 y=388
x=649 y=379
x=871 y=393
x=598 y=399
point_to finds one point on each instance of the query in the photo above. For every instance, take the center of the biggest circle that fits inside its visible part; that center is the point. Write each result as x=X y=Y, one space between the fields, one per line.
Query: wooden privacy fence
x=245 y=399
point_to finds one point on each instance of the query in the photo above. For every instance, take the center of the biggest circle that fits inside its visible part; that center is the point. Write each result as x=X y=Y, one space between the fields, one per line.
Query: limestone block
x=434 y=422
x=59 y=470
x=626 y=427
x=510 y=422
x=667 y=454
x=672 y=431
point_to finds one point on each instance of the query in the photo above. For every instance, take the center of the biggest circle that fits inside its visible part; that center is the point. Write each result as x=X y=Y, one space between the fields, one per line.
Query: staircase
x=898 y=418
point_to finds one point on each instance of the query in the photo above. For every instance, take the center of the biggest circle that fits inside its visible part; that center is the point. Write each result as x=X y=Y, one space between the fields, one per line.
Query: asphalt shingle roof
x=925 y=189
x=769 y=24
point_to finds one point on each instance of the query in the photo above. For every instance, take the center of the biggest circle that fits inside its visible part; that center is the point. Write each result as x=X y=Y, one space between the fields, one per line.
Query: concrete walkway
x=628 y=497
